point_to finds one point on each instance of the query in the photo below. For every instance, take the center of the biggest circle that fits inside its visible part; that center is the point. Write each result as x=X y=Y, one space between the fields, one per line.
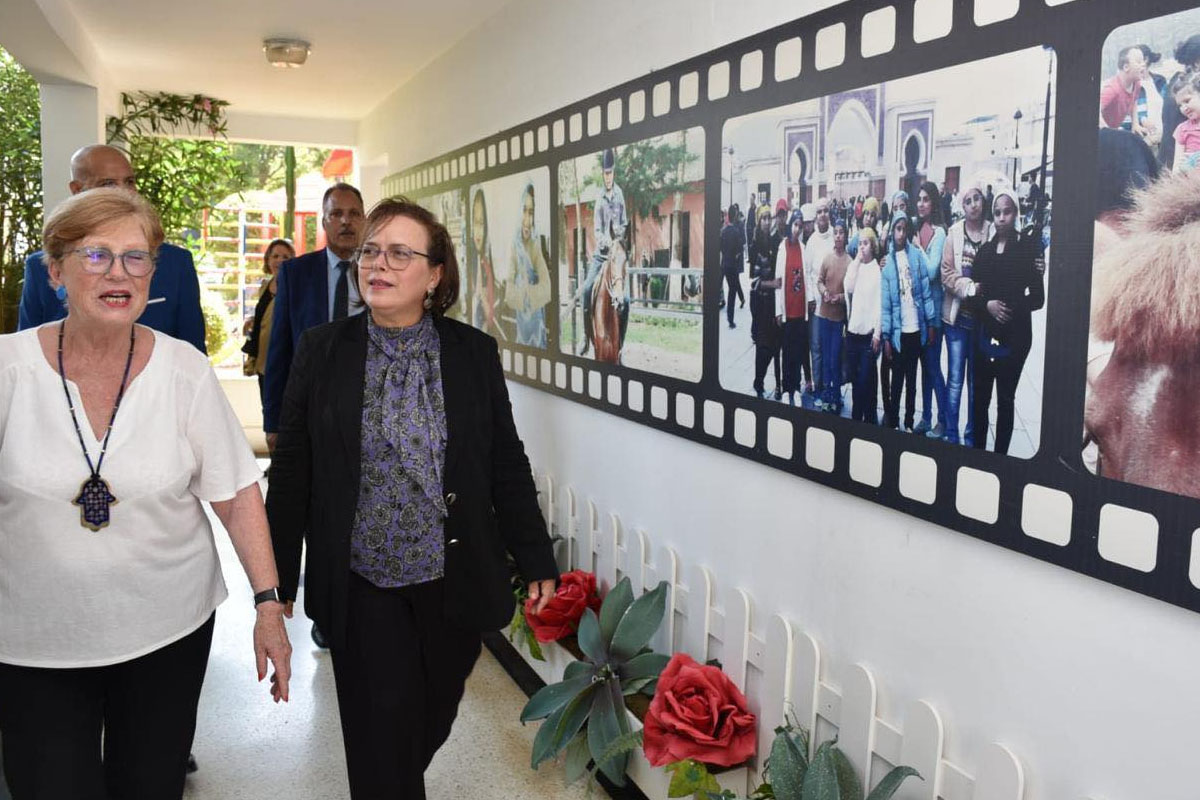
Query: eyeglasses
x=99 y=260
x=395 y=257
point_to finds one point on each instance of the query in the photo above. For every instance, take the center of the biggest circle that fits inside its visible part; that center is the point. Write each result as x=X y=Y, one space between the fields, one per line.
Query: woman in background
x=1009 y=289
x=484 y=313
x=258 y=327
x=931 y=238
x=528 y=289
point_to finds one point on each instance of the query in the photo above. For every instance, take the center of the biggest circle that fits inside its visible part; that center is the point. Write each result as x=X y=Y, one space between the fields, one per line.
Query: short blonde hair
x=80 y=214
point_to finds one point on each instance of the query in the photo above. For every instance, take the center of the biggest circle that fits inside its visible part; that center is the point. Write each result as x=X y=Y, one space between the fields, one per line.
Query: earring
x=428 y=304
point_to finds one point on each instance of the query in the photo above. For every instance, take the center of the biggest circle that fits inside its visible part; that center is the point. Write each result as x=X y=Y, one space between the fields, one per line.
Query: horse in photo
x=609 y=305
x=1141 y=410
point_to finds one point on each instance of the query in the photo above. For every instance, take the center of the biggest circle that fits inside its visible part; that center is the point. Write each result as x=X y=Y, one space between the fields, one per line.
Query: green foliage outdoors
x=791 y=775
x=20 y=181
x=665 y=333
x=585 y=713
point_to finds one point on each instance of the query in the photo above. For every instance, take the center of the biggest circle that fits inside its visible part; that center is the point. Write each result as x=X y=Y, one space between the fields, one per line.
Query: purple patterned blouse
x=397 y=538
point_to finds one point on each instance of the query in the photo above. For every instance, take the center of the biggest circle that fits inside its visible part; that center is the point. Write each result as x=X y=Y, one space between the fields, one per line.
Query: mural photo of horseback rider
x=631 y=222
x=1141 y=420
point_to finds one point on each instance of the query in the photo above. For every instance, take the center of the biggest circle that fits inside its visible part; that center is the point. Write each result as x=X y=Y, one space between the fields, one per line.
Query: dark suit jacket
x=315 y=475
x=301 y=301
x=177 y=314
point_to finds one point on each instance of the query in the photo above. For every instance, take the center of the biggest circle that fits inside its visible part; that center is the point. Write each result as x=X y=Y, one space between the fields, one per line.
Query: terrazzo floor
x=248 y=747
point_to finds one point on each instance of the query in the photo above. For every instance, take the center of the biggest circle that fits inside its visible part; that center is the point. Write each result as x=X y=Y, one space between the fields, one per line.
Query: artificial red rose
x=697 y=713
x=576 y=591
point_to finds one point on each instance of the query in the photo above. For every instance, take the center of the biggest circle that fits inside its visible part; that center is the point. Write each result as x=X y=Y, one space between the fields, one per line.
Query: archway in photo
x=849 y=148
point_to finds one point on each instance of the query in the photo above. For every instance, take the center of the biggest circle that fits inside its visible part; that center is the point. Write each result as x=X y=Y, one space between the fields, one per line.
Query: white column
x=71 y=119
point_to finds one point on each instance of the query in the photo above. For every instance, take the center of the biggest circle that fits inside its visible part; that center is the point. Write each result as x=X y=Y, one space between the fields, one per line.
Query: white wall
x=1091 y=686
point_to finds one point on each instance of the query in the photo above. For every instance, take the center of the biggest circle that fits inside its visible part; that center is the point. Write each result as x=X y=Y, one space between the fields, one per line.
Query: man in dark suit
x=174 y=307
x=311 y=290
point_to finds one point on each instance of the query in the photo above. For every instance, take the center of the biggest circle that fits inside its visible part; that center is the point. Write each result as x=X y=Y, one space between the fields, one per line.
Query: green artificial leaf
x=787 y=764
x=820 y=779
x=577 y=757
x=636 y=685
x=573 y=717
x=690 y=777
x=535 y=647
x=623 y=746
x=650 y=688
x=606 y=724
x=553 y=697
x=849 y=786
x=615 y=604
x=543 y=741
x=640 y=622
x=763 y=792
x=589 y=638
x=577 y=668
x=643 y=665
x=891 y=782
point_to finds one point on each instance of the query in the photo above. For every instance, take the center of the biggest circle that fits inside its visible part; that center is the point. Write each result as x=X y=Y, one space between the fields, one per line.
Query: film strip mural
x=1033 y=318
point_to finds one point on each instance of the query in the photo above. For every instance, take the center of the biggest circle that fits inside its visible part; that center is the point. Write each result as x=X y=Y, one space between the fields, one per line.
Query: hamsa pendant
x=94 y=501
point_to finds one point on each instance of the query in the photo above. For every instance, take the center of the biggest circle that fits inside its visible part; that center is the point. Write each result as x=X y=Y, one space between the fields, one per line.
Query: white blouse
x=73 y=598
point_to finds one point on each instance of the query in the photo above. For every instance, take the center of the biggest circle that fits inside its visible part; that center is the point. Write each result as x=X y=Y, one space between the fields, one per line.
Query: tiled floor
x=248 y=747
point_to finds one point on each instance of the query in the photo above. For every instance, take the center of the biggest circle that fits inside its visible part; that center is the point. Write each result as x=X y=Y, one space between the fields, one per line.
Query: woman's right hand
x=999 y=311
x=271 y=643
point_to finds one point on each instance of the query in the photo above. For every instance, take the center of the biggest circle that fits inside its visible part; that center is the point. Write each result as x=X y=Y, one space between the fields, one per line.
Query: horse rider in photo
x=609 y=222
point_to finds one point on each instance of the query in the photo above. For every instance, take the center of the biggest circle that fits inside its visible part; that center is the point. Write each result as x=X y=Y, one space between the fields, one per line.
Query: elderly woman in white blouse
x=111 y=435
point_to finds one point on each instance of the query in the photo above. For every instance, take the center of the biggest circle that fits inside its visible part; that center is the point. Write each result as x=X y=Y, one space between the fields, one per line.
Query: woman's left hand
x=271 y=643
x=541 y=592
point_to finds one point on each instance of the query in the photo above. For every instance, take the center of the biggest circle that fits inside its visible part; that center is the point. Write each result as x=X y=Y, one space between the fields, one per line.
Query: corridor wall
x=1086 y=682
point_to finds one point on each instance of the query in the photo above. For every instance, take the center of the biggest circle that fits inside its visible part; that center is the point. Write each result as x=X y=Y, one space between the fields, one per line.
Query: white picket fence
x=784 y=662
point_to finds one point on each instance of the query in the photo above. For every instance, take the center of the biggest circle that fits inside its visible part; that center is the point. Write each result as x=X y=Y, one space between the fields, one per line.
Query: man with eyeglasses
x=313 y=289
x=174 y=306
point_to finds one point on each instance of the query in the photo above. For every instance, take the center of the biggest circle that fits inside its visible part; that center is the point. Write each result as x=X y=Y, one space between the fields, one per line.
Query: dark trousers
x=399 y=680
x=795 y=354
x=734 y=283
x=1005 y=373
x=119 y=732
x=904 y=371
x=831 y=360
x=762 y=357
x=862 y=362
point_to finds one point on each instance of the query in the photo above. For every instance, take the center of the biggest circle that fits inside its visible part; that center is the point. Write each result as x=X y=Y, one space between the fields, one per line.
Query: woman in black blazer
x=399 y=461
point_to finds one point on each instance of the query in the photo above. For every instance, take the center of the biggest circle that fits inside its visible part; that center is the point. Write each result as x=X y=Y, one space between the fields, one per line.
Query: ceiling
x=362 y=50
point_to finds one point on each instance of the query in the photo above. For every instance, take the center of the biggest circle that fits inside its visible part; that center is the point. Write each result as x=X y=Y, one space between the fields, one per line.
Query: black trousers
x=862 y=360
x=144 y=710
x=399 y=680
x=795 y=354
x=904 y=371
x=1005 y=373
x=734 y=281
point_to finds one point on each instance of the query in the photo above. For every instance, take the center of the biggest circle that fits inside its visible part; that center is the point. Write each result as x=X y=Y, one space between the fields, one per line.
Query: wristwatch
x=268 y=594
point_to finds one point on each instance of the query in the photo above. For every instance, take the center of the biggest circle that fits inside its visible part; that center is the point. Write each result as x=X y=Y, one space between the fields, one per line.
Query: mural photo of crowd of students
x=890 y=243
x=1141 y=419
x=500 y=232
x=631 y=254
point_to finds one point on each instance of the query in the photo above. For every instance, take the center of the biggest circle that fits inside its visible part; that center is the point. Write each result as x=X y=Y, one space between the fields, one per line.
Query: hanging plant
x=163 y=113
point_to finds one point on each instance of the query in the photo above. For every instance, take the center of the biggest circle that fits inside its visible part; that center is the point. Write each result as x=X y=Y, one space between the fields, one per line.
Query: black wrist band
x=268 y=594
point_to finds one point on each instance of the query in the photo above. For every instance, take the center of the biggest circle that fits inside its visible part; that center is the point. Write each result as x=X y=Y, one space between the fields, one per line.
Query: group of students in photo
x=833 y=289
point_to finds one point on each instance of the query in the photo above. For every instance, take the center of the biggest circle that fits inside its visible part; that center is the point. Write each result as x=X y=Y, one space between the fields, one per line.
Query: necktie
x=341 y=292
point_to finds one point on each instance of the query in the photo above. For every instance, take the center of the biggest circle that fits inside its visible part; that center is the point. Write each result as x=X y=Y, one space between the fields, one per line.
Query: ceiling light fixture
x=285 y=53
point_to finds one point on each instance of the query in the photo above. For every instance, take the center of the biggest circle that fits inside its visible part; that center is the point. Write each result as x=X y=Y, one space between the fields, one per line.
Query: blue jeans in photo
x=814 y=343
x=933 y=383
x=831 y=360
x=960 y=358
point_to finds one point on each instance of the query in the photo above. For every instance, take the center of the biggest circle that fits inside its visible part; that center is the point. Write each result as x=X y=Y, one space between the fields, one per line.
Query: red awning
x=339 y=164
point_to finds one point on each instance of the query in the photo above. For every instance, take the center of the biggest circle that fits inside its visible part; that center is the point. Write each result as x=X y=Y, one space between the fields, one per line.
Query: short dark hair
x=1187 y=52
x=1126 y=163
x=441 y=246
x=1123 y=55
x=340 y=187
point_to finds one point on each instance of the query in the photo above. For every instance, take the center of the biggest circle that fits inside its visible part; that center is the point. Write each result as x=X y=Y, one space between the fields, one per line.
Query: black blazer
x=489 y=489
